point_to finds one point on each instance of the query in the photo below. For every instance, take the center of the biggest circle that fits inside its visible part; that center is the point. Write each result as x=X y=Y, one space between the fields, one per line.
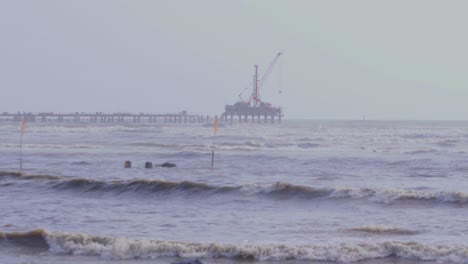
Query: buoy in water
x=148 y=165
x=127 y=164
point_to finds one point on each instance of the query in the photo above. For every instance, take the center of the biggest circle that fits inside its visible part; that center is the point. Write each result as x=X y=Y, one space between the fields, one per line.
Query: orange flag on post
x=21 y=144
x=216 y=124
x=22 y=127
x=214 y=136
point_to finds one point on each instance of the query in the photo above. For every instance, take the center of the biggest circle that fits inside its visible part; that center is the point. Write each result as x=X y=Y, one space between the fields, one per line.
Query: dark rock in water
x=148 y=165
x=168 y=165
x=193 y=261
x=127 y=164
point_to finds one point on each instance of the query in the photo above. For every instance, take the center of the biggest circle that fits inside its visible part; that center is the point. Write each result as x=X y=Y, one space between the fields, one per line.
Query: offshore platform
x=254 y=108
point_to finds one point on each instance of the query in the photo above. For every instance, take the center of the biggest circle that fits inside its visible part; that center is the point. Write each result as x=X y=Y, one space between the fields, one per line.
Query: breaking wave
x=152 y=144
x=24 y=176
x=253 y=145
x=51 y=146
x=183 y=188
x=162 y=145
x=278 y=190
x=187 y=154
x=420 y=151
x=447 y=143
x=285 y=190
x=419 y=136
x=239 y=145
x=121 y=248
x=33 y=239
x=390 y=195
x=386 y=230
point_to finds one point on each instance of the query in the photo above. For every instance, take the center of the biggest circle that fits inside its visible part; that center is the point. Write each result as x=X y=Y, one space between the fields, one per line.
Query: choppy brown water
x=306 y=191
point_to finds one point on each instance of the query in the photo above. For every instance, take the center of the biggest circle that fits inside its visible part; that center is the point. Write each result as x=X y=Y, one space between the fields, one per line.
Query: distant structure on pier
x=99 y=117
x=254 y=108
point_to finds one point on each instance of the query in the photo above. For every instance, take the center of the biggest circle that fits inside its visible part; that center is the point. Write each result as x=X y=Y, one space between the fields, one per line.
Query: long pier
x=99 y=117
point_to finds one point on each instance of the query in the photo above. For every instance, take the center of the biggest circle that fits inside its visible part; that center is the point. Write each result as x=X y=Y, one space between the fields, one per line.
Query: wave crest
x=142 y=186
x=33 y=239
x=127 y=248
x=391 y=195
x=278 y=190
x=379 y=229
x=25 y=176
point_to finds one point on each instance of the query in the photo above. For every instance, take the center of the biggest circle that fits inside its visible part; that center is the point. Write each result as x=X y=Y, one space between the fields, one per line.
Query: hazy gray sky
x=342 y=59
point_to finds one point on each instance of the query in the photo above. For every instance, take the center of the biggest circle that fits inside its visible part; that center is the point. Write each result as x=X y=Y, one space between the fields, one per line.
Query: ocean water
x=300 y=192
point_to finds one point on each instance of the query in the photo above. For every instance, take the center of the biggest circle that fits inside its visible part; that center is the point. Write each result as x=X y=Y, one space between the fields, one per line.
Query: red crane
x=258 y=83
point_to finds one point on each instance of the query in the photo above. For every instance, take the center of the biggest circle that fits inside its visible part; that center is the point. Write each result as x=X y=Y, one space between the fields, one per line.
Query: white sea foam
x=390 y=195
x=126 y=248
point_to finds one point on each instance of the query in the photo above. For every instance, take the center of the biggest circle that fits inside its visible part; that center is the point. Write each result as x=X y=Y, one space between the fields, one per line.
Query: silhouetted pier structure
x=254 y=108
x=99 y=117
x=242 y=112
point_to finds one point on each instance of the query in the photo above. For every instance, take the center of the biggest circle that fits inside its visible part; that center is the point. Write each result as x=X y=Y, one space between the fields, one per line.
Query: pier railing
x=100 y=117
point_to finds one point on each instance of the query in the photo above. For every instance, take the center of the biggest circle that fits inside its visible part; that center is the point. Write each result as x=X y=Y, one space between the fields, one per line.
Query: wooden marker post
x=214 y=137
x=21 y=144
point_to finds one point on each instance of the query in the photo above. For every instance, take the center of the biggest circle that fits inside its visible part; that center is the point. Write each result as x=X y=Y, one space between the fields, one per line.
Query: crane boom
x=258 y=83
x=269 y=70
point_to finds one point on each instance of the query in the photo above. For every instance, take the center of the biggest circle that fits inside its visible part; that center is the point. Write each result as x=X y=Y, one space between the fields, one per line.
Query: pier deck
x=99 y=117
x=242 y=112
